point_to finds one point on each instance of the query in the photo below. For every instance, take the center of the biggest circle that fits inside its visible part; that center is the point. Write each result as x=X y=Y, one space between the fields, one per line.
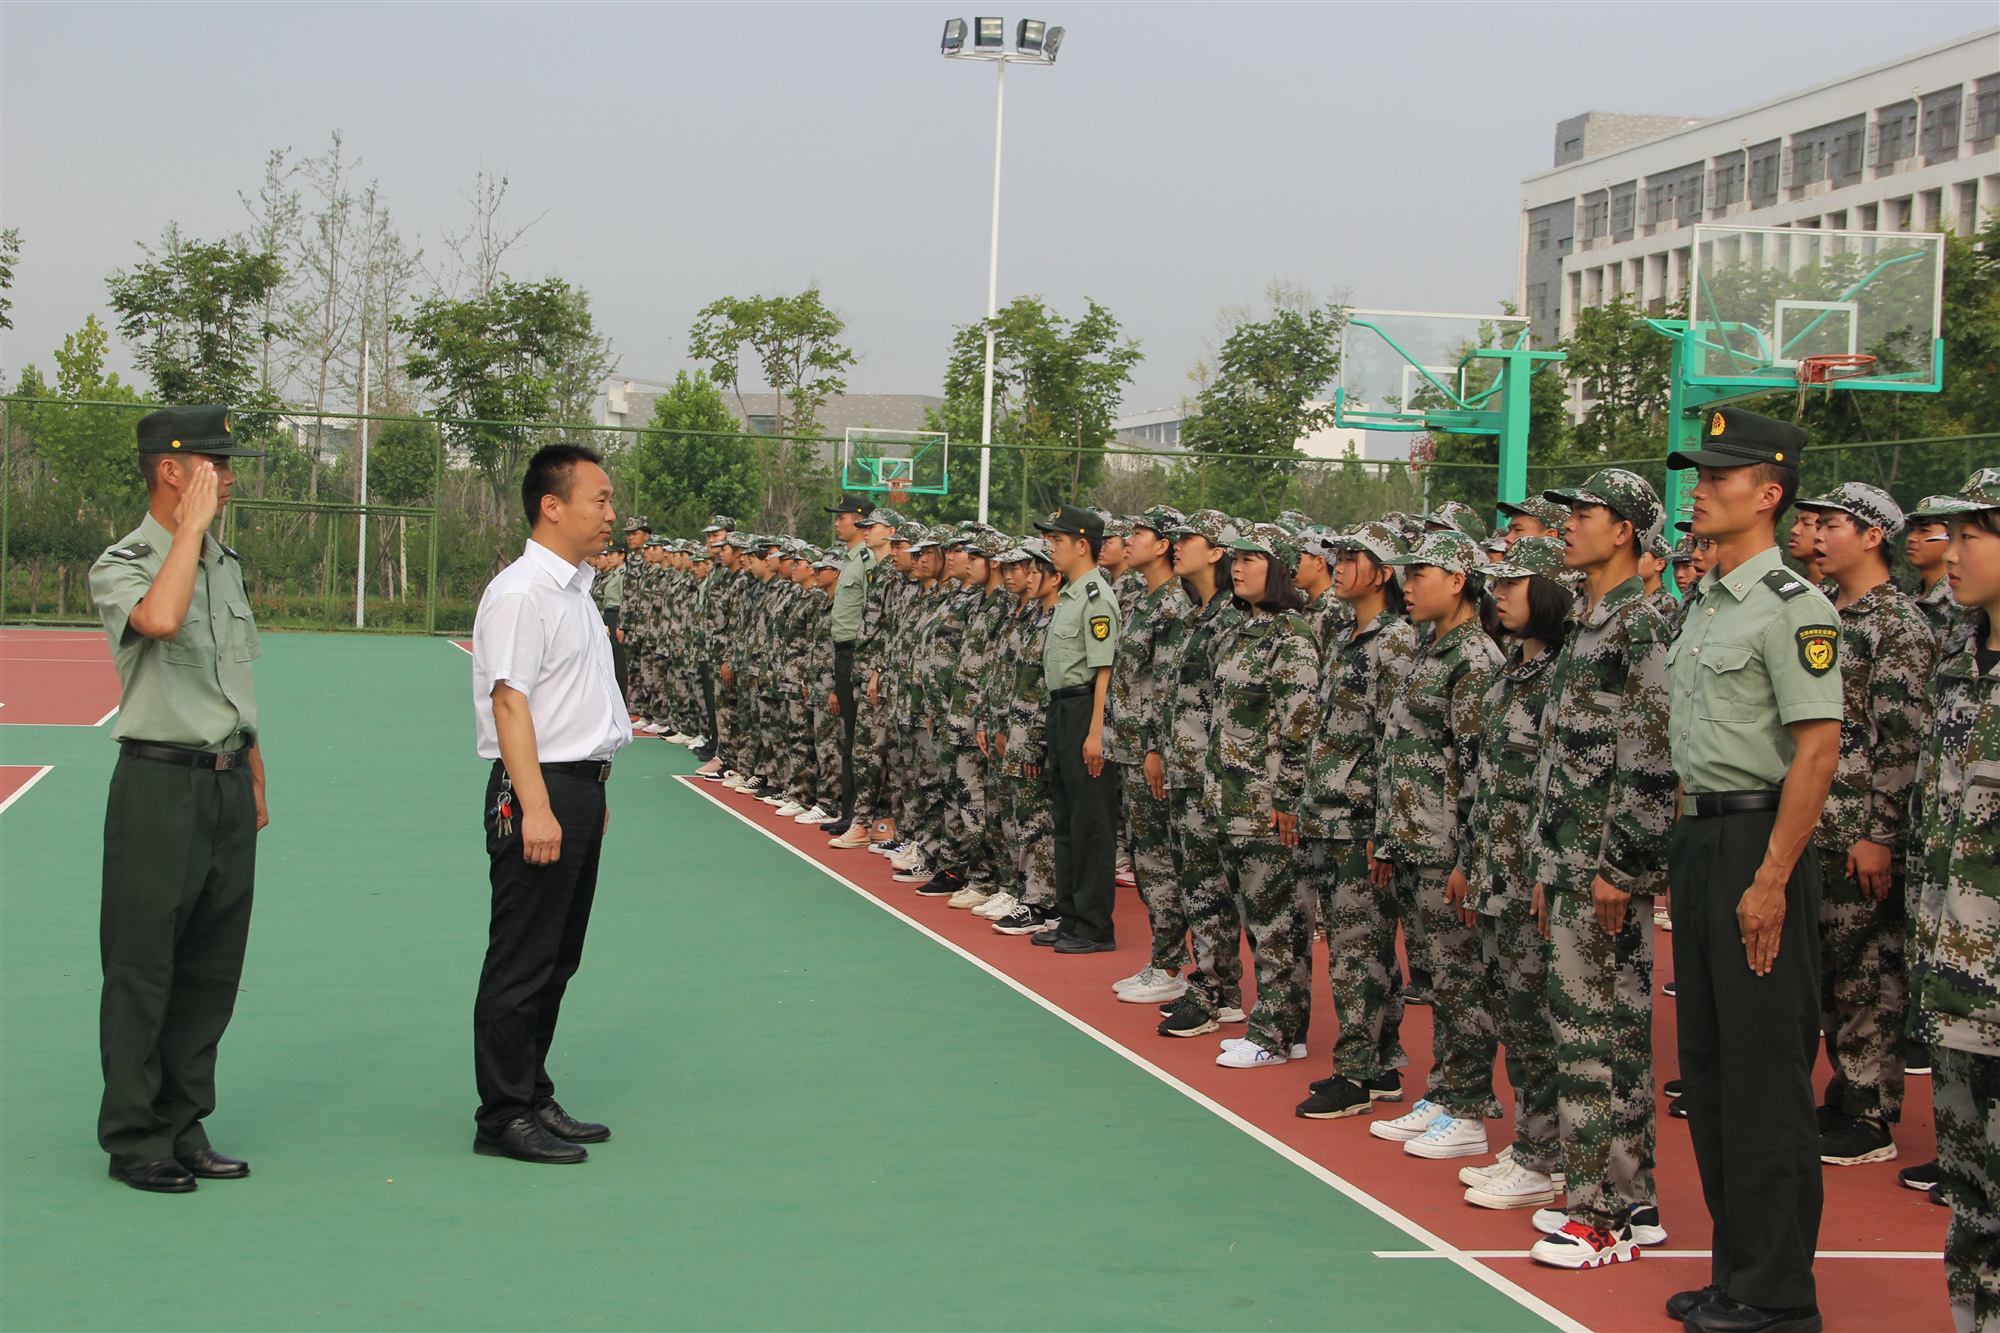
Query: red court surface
x=15 y=779
x=56 y=678
x=1879 y=1263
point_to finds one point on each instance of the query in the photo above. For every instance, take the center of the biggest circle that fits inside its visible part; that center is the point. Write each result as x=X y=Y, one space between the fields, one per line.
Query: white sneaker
x=1162 y=987
x=775 y=800
x=1409 y=1124
x=1511 y=1185
x=918 y=871
x=907 y=857
x=1229 y=1016
x=997 y=906
x=1144 y=974
x=732 y=779
x=697 y=743
x=815 y=815
x=1449 y=1136
x=1249 y=1055
x=1298 y=1051
x=677 y=738
x=789 y=810
x=651 y=728
x=1578 y=1245
x=1476 y=1175
x=968 y=897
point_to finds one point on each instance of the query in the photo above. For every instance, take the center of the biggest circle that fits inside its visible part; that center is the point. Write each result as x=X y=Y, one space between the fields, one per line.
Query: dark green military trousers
x=1086 y=832
x=180 y=859
x=1747 y=1045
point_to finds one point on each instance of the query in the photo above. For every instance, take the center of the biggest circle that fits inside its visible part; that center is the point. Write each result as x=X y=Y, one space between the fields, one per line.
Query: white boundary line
x=106 y=718
x=1934 y=1256
x=1439 y=1248
x=461 y=647
x=40 y=773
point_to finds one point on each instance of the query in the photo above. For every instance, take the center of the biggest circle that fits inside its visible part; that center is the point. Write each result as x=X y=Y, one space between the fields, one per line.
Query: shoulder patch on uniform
x=1785 y=583
x=230 y=551
x=1100 y=626
x=1819 y=648
x=132 y=551
x=1091 y=590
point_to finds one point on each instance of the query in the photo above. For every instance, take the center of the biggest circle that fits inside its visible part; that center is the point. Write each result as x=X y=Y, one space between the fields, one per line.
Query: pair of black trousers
x=180 y=867
x=843 y=694
x=1746 y=1051
x=1086 y=834
x=533 y=946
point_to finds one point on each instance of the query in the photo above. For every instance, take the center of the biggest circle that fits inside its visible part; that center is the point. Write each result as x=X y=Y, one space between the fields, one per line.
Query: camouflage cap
x=1214 y=526
x=1410 y=527
x=1382 y=540
x=1624 y=493
x=1981 y=491
x=990 y=544
x=1543 y=510
x=1495 y=545
x=1293 y=520
x=1458 y=515
x=1037 y=548
x=829 y=562
x=1319 y=540
x=638 y=523
x=1269 y=539
x=1013 y=555
x=1451 y=551
x=719 y=523
x=1875 y=507
x=1660 y=548
x=1160 y=519
x=652 y=540
x=1683 y=552
x=740 y=540
x=878 y=518
x=924 y=537
x=1531 y=555
x=1119 y=527
x=1934 y=509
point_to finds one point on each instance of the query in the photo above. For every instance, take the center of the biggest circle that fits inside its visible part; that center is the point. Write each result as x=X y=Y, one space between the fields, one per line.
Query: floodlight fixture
x=1028 y=36
x=1052 y=43
x=989 y=34
x=954 y=36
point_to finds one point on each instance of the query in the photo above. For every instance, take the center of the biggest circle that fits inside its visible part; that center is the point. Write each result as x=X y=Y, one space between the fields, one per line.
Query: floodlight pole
x=992 y=301
x=361 y=543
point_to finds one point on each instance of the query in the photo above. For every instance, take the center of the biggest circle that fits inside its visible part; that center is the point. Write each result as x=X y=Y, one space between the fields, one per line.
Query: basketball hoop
x=899 y=488
x=1826 y=370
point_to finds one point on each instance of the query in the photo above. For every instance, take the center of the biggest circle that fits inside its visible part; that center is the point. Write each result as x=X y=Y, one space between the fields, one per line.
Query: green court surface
x=821 y=1118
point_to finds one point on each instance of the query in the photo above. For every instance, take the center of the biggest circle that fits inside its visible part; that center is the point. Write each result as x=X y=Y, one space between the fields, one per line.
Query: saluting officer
x=1754 y=725
x=1083 y=790
x=186 y=803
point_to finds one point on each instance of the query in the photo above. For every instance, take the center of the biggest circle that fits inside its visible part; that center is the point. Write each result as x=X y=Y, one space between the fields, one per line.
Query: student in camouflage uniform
x=1363 y=672
x=967 y=861
x=1327 y=617
x=1265 y=712
x=1886 y=656
x=1535 y=516
x=1924 y=544
x=1954 y=877
x=1654 y=567
x=985 y=707
x=1455 y=516
x=1430 y=751
x=1496 y=871
x=1129 y=742
x=1605 y=786
x=1028 y=905
x=728 y=588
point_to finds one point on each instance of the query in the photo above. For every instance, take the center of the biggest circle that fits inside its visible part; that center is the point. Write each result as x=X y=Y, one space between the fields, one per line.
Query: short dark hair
x=1779 y=474
x=1549 y=603
x=1280 y=592
x=1392 y=587
x=552 y=471
x=1987 y=520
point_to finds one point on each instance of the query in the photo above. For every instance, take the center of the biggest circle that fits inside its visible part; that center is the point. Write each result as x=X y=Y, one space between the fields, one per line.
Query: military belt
x=1728 y=802
x=220 y=761
x=1071 y=691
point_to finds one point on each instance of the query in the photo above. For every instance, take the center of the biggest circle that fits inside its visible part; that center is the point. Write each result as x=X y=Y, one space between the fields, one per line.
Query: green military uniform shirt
x=1083 y=632
x=850 y=593
x=1757 y=653
x=195 y=688
x=609 y=590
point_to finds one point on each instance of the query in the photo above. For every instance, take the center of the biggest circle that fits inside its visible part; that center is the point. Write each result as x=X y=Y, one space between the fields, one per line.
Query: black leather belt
x=1071 y=692
x=590 y=770
x=1728 y=802
x=843 y=647
x=221 y=761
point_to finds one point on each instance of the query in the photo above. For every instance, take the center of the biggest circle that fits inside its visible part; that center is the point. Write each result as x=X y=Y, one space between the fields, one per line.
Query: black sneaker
x=1855 y=1139
x=1668 y=990
x=1917 y=1057
x=889 y=848
x=1937 y=1196
x=941 y=885
x=1677 y=1108
x=836 y=828
x=1671 y=1088
x=1189 y=1018
x=1334 y=1099
x=1024 y=920
x=1924 y=1177
x=1385 y=1087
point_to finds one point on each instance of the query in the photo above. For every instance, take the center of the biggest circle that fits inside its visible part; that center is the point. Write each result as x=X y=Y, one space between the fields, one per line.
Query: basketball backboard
x=1395 y=365
x=1766 y=299
x=899 y=462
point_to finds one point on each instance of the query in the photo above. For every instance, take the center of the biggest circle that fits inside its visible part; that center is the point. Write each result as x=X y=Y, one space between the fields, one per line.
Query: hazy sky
x=1178 y=157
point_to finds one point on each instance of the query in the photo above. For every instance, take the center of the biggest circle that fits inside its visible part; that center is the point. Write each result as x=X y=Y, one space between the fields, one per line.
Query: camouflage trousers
x=826 y=742
x=1517 y=976
x=1601 y=1007
x=653 y=680
x=728 y=721
x=1261 y=875
x=802 y=768
x=1214 y=927
x=1966 y=1092
x=934 y=760
x=954 y=834
x=1360 y=924
x=907 y=772
x=689 y=712
x=1864 y=988
x=1027 y=859
x=1463 y=1042
x=1149 y=841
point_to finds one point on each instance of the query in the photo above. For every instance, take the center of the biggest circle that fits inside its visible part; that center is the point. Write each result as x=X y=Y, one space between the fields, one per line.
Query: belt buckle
x=225 y=760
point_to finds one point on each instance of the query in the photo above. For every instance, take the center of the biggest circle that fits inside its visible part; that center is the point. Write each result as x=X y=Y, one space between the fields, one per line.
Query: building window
x=1659 y=202
x=1895 y=134
x=1985 y=117
x=1765 y=160
x=1808 y=164
x=1728 y=186
x=1624 y=203
x=1572 y=148
x=1594 y=215
x=1538 y=302
x=1538 y=234
x=761 y=424
x=1940 y=129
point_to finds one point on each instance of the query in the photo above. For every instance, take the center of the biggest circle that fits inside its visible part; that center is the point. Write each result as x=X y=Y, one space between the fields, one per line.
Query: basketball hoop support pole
x=992 y=302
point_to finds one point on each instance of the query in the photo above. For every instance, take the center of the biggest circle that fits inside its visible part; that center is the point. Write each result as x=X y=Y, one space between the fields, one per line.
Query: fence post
x=431 y=587
x=6 y=498
x=332 y=563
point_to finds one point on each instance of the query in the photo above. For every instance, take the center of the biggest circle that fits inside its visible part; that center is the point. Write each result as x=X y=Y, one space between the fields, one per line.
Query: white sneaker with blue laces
x=1408 y=1125
x=1449 y=1136
x=1249 y=1055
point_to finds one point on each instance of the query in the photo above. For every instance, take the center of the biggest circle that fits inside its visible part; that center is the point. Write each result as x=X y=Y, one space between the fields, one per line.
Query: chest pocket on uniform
x=243 y=644
x=1728 y=691
x=1602 y=702
x=1431 y=709
x=190 y=646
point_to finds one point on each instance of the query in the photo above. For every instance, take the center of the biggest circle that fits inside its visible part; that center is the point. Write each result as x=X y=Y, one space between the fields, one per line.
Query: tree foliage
x=10 y=255
x=195 y=312
x=695 y=460
x=1267 y=375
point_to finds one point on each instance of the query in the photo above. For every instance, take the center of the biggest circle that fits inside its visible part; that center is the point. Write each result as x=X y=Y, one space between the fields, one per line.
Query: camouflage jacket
x=1606 y=775
x=878 y=615
x=1261 y=725
x=1327 y=617
x=996 y=684
x=1887 y=653
x=722 y=612
x=1939 y=609
x=1129 y=589
x=1664 y=602
x=1184 y=690
x=926 y=610
x=752 y=609
x=1027 y=700
x=1499 y=856
x=985 y=620
x=1430 y=748
x=1954 y=857
x=1131 y=713
x=1358 y=682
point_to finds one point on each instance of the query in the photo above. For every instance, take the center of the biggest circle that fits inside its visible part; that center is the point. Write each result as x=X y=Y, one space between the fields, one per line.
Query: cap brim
x=211 y=451
x=1569 y=497
x=1503 y=570
x=1680 y=460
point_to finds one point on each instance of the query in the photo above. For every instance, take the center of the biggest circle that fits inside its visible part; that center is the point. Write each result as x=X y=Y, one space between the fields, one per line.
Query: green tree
x=1267 y=375
x=194 y=312
x=10 y=254
x=1626 y=372
x=1056 y=384
x=695 y=461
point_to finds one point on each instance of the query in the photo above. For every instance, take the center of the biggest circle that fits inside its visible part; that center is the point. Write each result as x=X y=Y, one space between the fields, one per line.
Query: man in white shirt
x=548 y=714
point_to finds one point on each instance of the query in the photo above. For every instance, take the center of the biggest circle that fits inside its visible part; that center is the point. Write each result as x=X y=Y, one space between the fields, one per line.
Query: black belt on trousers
x=220 y=761
x=1728 y=802
x=1071 y=691
x=590 y=770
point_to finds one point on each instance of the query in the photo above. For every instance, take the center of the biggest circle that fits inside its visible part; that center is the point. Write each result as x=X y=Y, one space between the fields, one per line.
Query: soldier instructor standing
x=186 y=804
x=1754 y=722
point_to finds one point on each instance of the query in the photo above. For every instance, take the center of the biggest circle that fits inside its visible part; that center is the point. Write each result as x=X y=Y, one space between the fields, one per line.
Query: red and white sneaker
x=1580 y=1245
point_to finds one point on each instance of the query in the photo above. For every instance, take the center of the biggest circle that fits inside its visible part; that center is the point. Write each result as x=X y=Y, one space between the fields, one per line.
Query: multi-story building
x=1909 y=145
x=625 y=403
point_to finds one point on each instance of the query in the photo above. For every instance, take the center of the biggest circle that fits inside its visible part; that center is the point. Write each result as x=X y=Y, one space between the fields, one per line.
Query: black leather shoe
x=1078 y=944
x=1683 y=1304
x=1723 y=1315
x=166 y=1176
x=524 y=1140
x=1045 y=938
x=567 y=1127
x=208 y=1164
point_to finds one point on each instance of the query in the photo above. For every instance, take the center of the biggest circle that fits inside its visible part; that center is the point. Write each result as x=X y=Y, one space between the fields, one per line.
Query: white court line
x=1465 y=1259
x=106 y=718
x=461 y=647
x=22 y=790
x=1935 y=1256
